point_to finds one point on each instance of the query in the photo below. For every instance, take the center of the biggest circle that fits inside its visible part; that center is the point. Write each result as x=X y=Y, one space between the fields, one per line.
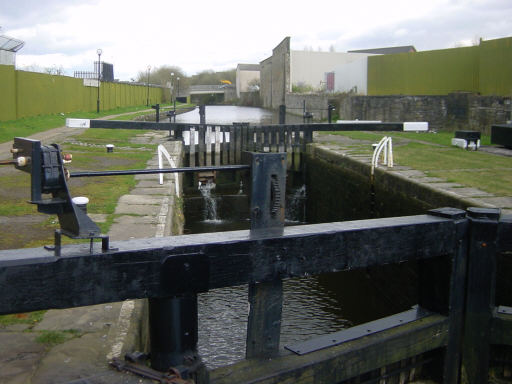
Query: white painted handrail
x=163 y=151
x=386 y=145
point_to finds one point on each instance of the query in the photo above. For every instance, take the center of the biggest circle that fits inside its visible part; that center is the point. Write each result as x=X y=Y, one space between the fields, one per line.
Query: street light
x=178 y=93
x=172 y=91
x=99 y=52
x=147 y=100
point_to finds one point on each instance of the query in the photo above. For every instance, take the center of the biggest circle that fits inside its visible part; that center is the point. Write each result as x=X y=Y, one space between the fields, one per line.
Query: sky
x=217 y=35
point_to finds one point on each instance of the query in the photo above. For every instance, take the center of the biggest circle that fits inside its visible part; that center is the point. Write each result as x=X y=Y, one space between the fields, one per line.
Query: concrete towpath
x=74 y=345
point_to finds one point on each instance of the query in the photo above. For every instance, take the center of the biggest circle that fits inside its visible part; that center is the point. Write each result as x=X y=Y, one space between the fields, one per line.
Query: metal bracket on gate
x=358 y=331
x=267 y=195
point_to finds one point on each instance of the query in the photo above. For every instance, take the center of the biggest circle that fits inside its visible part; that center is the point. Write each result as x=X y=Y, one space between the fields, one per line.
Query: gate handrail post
x=481 y=287
x=434 y=297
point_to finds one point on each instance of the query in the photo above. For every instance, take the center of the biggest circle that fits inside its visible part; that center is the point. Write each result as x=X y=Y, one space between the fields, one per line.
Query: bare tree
x=54 y=70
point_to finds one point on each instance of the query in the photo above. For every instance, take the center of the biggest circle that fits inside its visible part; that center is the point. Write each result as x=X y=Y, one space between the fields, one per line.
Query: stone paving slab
x=83 y=319
x=137 y=209
x=19 y=357
x=147 y=177
x=442 y=185
x=154 y=184
x=140 y=199
x=131 y=227
x=469 y=192
x=77 y=358
x=151 y=191
x=429 y=179
x=411 y=173
x=503 y=202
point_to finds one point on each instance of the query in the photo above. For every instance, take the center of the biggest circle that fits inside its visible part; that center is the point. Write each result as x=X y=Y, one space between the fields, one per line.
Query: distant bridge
x=214 y=93
x=206 y=89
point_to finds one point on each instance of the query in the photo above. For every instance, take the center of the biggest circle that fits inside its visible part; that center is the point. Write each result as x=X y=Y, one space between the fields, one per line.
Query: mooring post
x=330 y=108
x=481 y=286
x=156 y=107
x=442 y=284
x=201 y=146
x=282 y=114
x=268 y=180
x=202 y=114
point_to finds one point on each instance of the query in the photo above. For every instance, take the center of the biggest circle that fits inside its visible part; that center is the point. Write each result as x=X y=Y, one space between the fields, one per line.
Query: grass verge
x=433 y=154
x=29 y=125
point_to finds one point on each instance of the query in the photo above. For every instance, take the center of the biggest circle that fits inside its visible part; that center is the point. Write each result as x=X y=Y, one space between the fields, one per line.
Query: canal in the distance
x=313 y=305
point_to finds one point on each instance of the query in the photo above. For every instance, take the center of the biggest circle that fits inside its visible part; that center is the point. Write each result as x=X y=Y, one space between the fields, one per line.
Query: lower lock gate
x=455 y=250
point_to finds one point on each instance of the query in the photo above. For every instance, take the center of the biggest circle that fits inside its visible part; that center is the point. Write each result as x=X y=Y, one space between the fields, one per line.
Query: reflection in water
x=307 y=312
x=227 y=114
x=309 y=309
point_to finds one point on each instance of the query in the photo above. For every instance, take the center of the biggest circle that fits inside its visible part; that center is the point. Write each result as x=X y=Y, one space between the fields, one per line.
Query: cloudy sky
x=199 y=35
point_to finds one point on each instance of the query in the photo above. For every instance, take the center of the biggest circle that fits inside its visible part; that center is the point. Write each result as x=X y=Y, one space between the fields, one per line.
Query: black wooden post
x=202 y=114
x=201 y=146
x=330 y=108
x=268 y=180
x=238 y=142
x=173 y=331
x=156 y=107
x=442 y=284
x=481 y=285
x=282 y=114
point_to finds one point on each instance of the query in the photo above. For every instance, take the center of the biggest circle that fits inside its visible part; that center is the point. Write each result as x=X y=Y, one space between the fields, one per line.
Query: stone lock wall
x=315 y=103
x=448 y=112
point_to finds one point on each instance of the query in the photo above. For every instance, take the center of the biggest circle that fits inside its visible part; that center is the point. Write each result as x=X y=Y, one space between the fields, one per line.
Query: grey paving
x=469 y=192
x=137 y=209
x=136 y=199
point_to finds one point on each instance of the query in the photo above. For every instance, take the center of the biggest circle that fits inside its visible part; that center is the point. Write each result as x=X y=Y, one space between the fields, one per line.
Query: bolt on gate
x=455 y=250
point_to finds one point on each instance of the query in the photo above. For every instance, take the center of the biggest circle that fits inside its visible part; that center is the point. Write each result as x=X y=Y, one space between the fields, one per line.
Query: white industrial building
x=329 y=71
x=316 y=72
x=247 y=75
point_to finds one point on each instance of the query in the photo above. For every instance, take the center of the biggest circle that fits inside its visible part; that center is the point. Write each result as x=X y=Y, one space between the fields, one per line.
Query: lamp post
x=99 y=52
x=178 y=93
x=172 y=91
x=147 y=99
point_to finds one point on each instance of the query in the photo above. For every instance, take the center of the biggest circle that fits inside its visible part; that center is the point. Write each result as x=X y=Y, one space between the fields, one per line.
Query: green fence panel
x=27 y=94
x=483 y=69
x=7 y=93
x=496 y=67
x=424 y=73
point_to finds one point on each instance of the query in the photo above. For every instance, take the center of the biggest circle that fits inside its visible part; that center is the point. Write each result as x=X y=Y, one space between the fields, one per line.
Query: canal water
x=228 y=114
x=313 y=305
